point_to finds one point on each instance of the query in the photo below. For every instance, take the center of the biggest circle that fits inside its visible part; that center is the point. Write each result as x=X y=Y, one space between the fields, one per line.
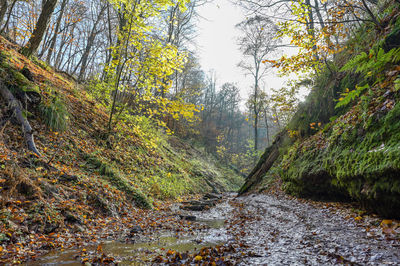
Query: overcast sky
x=218 y=49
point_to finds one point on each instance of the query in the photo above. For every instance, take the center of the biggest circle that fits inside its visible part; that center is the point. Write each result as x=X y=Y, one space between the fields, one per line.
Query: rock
x=197 y=208
x=68 y=178
x=27 y=73
x=135 y=229
x=13 y=226
x=102 y=204
x=71 y=218
x=79 y=228
x=196 y=205
x=212 y=196
x=188 y=217
x=50 y=228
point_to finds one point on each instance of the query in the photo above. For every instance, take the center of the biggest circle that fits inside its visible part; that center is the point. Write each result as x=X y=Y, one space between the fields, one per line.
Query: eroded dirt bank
x=251 y=230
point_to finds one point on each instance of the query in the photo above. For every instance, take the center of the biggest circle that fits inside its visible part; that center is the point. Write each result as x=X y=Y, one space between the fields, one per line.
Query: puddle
x=143 y=251
x=216 y=224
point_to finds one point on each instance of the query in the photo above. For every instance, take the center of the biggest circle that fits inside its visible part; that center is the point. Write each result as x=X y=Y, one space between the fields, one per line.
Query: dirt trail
x=260 y=229
x=286 y=231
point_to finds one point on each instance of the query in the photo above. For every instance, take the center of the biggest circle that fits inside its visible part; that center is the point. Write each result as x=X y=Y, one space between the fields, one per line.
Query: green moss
x=116 y=179
x=40 y=63
x=364 y=167
x=19 y=78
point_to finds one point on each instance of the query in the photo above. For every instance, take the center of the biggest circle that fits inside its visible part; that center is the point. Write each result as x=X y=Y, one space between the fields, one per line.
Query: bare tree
x=90 y=41
x=56 y=30
x=256 y=43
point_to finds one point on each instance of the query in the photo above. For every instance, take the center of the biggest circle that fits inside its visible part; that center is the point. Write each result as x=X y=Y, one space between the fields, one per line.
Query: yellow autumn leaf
x=198 y=258
x=386 y=222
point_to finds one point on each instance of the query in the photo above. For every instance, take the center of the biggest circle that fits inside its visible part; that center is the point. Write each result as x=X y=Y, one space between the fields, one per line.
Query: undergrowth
x=116 y=179
x=54 y=113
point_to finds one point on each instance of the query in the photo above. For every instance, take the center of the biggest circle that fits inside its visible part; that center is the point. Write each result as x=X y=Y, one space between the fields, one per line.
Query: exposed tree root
x=15 y=107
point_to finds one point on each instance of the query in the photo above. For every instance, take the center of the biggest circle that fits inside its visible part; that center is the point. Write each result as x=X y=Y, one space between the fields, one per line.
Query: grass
x=54 y=114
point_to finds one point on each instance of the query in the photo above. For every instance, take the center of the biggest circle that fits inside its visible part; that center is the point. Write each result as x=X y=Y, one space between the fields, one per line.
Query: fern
x=374 y=63
x=397 y=84
x=350 y=96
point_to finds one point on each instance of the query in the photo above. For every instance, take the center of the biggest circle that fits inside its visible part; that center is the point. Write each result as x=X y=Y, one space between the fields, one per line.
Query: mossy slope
x=355 y=152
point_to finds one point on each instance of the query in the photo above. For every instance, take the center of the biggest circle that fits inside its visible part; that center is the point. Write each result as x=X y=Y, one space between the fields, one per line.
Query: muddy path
x=286 y=231
x=254 y=230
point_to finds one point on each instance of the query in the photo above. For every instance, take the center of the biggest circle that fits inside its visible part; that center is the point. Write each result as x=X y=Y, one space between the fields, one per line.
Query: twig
x=3 y=125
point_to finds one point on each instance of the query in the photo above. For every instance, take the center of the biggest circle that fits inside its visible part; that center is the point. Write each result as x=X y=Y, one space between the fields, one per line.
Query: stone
x=188 y=217
x=135 y=229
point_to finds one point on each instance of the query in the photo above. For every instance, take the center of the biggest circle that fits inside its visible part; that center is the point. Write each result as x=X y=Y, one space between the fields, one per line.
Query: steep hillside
x=84 y=174
x=343 y=142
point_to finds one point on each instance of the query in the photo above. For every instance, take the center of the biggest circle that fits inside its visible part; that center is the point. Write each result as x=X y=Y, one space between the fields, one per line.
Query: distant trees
x=224 y=127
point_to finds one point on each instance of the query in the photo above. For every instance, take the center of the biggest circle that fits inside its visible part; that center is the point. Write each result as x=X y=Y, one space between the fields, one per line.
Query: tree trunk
x=15 y=106
x=9 y=16
x=3 y=10
x=264 y=164
x=58 y=24
x=266 y=126
x=311 y=28
x=371 y=14
x=40 y=28
x=256 y=132
x=89 y=44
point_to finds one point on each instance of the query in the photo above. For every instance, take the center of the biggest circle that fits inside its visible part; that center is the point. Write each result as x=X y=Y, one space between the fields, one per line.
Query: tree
x=90 y=41
x=3 y=10
x=139 y=56
x=256 y=43
x=56 y=30
x=318 y=28
x=40 y=28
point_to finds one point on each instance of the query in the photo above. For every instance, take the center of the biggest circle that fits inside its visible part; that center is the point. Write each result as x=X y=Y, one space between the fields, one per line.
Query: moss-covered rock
x=346 y=161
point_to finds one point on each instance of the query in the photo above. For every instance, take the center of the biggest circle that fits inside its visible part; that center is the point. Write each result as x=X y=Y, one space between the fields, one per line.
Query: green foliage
x=397 y=84
x=19 y=79
x=54 y=113
x=370 y=65
x=4 y=64
x=364 y=167
x=374 y=63
x=100 y=90
x=349 y=96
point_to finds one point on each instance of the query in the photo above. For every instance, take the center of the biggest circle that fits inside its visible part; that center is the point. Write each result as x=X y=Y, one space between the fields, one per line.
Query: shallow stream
x=278 y=231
